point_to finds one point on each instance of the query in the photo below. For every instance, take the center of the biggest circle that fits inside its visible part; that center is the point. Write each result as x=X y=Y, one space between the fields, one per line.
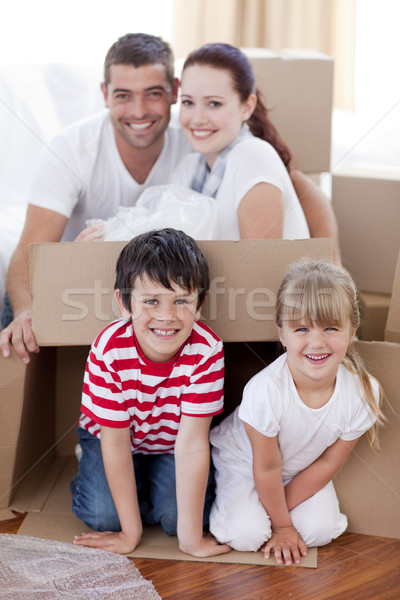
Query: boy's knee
x=98 y=521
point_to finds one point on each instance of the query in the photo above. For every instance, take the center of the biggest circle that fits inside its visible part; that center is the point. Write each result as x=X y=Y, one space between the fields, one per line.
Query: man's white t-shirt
x=250 y=162
x=82 y=176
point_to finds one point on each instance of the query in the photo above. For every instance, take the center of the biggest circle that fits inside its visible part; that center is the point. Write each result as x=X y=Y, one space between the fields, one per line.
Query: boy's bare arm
x=319 y=473
x=192 y=463
x=118 y=465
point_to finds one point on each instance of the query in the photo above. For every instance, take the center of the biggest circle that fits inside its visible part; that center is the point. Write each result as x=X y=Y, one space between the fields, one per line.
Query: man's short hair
x=166 y=256
x=139 y=49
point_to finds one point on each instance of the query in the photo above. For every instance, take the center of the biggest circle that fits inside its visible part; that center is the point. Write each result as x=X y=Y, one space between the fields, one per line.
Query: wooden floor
x=354 y=567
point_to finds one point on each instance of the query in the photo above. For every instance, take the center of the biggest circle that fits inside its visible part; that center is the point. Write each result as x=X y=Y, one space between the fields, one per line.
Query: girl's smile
x=314 y=353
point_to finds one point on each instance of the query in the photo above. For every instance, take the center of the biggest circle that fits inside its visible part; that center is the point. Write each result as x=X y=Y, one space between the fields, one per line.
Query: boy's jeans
x=155 y=482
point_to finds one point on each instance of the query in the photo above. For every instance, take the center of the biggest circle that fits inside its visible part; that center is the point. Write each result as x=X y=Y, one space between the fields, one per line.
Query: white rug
x=44 y=569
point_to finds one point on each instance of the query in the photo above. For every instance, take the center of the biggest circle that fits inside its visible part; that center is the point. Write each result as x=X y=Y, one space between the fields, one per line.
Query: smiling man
x=99 y=164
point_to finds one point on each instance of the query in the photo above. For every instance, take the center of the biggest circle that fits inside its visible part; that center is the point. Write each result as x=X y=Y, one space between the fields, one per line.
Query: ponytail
x=354 y=363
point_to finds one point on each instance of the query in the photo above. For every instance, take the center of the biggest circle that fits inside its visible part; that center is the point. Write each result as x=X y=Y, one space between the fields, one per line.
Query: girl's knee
x=321 y=529
x=243 y=532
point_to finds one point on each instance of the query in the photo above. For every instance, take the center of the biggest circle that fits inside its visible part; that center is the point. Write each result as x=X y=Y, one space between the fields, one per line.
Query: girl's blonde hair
x=325 y=294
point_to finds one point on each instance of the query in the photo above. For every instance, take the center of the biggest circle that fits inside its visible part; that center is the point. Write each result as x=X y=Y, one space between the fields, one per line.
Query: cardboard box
x=297 y=86
x=392 y=331
x=39 y=422
x=366 y=201
x=374 y=315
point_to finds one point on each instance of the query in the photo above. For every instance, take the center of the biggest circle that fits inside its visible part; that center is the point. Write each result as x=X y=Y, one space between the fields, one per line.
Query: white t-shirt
x=82 y=176
x=250 y=162
x=273 y=407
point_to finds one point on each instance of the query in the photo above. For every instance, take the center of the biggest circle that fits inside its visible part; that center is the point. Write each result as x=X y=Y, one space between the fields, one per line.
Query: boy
x=153 y=382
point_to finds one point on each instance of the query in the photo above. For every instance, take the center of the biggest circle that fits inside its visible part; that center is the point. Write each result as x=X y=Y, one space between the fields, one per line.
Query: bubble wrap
x=163 y=206
x=36 y=569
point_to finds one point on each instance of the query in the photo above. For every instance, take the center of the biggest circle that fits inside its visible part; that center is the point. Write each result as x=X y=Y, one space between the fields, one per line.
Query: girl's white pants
x=239 y=519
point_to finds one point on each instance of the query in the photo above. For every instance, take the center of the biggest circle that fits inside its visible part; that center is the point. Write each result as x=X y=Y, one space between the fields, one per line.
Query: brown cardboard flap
x=392 y=331
x=12 y=375
x=368 y=485
x=73 y=297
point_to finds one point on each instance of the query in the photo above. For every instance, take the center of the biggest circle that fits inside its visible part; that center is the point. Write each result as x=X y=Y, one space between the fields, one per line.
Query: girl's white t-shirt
x=273 y=407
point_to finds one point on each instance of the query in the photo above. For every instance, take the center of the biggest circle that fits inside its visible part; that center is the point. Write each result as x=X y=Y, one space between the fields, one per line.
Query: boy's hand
x=285 y=543
x=111 y=541
x=207 y=546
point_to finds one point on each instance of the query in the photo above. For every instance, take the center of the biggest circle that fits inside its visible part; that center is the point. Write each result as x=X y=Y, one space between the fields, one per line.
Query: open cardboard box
x=72 y=289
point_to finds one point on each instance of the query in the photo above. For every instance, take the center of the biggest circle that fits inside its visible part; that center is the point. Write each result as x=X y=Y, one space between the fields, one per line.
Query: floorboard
x=353 y=567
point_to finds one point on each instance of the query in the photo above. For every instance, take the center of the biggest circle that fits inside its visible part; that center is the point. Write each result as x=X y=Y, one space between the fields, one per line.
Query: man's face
x=139 y=100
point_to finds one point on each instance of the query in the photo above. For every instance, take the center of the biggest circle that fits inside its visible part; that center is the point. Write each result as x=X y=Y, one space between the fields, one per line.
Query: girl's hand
x=285 y=543
x=111 y=541
x=208 y=546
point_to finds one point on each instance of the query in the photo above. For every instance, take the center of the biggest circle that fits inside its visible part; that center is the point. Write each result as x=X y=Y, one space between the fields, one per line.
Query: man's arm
x=317 y=209
x=118 y=465
x=192 y=464
x=41 y=225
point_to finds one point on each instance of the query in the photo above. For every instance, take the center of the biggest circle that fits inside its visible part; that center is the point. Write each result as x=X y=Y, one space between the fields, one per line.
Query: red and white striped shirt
x=122 y=388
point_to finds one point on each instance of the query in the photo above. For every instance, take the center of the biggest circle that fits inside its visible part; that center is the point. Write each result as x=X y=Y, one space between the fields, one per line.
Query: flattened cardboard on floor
x=366 y=201
x=303 y=124
x=56 y=522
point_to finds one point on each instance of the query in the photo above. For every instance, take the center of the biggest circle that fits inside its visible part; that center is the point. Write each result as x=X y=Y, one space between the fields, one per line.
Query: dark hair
x=230 y=58
x=139 y=49
x=165 y=256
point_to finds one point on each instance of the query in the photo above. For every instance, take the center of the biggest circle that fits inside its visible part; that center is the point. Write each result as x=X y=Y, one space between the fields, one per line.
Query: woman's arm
x=118 y=465
x=317 y=209
x=319 y=473
x=285 y=540
x=260 y=213
x=192 y=464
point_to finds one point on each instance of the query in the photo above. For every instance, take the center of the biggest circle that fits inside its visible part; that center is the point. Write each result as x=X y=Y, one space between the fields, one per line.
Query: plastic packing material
x=45 y=569
x=163 y=206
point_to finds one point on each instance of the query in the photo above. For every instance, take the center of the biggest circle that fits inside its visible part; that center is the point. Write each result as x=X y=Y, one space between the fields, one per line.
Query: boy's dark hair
x=165 y=256
x=139 y=49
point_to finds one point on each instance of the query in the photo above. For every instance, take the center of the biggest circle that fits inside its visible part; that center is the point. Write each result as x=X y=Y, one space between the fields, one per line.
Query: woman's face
x=211 y=113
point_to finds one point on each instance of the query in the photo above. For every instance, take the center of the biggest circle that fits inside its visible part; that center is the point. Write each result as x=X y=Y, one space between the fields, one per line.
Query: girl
x=299 y=420
x=239 y=158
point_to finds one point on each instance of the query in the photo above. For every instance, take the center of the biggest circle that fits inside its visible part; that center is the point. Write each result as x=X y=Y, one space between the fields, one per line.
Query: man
x=106 y=161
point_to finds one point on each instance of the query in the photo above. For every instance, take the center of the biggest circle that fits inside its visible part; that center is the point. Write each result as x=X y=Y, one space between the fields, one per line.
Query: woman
x=239 y=158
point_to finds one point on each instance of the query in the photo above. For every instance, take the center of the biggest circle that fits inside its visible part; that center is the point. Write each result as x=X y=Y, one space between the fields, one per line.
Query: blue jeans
x=155 y=482
x=7 y=314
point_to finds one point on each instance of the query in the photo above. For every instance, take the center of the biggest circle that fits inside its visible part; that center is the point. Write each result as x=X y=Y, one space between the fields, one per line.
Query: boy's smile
x=162 y=319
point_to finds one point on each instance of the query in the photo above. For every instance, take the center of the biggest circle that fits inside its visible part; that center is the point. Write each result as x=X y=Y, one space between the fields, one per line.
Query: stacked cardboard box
x=366 y=201
x=297 y=87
